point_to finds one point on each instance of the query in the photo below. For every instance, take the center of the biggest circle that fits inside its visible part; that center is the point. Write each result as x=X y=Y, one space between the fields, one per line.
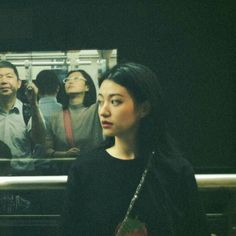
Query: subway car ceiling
x=189 y=45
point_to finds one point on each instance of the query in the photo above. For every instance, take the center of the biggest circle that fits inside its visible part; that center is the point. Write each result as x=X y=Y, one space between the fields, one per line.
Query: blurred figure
x=5 y=153
x=16 y=132
x=77 y=126
x=10 y=202
x=48 y=85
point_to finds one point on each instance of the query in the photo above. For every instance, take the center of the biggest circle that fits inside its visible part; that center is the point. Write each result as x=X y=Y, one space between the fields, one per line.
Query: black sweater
x=100 y=188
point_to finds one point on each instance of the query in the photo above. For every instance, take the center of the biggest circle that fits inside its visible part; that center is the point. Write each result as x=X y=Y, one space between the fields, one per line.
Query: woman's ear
x=144 y=109
x=86 y=88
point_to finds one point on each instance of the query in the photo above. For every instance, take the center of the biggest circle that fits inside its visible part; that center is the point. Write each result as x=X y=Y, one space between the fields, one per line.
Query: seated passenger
x=137 y=183
x=16 y=131
x=48 y=87
x=77 y=127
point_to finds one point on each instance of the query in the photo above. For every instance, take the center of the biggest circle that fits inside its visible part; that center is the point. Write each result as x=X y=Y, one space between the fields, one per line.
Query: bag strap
x=68 y=128
x=135 y=196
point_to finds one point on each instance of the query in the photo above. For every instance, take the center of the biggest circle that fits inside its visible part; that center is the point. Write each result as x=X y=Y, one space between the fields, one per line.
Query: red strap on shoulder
x=68 y=128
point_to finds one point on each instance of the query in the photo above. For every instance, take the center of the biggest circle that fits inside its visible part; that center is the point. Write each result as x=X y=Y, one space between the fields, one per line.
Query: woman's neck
x=77 y=99
x=124 y=149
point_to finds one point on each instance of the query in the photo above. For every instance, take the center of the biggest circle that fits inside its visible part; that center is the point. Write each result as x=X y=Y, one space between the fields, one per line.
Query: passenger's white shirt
x=16 y=134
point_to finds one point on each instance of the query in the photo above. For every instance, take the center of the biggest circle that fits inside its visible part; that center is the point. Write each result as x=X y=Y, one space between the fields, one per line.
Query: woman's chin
x=108 y=133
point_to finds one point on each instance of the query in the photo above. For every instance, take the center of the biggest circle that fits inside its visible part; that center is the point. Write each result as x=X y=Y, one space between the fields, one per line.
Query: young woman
x=77 y=126
x=136 y=184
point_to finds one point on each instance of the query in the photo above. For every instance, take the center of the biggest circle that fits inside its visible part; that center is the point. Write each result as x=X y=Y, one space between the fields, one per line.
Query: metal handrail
x=58 y=159
x=204 y=181
x=52 y=63
x=33 y=182
x=213 y=181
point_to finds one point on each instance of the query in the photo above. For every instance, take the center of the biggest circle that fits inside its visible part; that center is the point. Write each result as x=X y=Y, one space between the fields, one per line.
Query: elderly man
x=14 y=131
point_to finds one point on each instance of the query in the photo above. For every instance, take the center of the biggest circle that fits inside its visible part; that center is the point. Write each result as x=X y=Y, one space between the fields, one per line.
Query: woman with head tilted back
x=136 y=184
x=77 y=126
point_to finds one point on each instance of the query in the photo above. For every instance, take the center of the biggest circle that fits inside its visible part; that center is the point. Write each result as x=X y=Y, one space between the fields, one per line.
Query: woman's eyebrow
x=115 y=94
x=112 y=95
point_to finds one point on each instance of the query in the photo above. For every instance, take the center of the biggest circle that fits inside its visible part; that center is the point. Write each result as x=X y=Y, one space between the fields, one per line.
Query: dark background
x=188 y=43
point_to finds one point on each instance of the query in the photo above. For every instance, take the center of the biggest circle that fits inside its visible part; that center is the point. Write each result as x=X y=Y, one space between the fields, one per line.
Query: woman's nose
x=104 y=110
x=69 y=81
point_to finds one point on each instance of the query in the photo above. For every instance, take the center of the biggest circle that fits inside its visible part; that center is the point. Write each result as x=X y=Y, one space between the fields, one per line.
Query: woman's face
x=75 y=83
x=117 y=111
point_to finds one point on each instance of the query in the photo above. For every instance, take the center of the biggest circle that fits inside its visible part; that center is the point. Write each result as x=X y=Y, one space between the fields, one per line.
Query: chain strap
x=136 y=195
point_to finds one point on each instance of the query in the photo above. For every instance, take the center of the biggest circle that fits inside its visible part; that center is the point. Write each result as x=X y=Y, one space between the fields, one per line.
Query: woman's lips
x=106 y=124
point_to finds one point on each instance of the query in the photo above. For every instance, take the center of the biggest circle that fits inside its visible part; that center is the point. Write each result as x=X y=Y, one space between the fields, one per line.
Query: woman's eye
x=116 y=102
x=99 y=102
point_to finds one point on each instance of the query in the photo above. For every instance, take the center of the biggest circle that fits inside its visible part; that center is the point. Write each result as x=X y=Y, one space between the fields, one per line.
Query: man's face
x=9 y=83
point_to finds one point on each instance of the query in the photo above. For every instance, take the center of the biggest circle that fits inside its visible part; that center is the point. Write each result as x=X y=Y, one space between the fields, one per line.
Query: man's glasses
x=73 y=79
